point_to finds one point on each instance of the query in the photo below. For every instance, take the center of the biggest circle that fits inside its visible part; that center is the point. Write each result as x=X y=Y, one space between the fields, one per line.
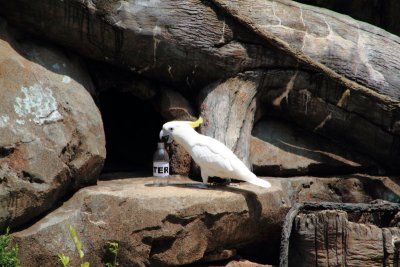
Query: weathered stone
x=346 y=69
x=181 y=224
x=278 y=148
x=356 y=188
x=225 y=254
x=173 y=106
x=327 y=238
x=321 y=105
x=331 y=43
x=228 y=110
x=171 y=225
x=51 y=132
x=379 y=13
x=362 y=113
x=245 y=263
x=179 y=160
x=185 y=43
x=110 y=78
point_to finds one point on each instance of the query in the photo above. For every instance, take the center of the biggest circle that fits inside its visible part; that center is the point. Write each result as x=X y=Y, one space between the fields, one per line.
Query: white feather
x=213 y=157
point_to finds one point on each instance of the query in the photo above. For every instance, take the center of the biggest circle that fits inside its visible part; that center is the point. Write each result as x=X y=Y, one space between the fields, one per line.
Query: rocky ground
x=306 y=97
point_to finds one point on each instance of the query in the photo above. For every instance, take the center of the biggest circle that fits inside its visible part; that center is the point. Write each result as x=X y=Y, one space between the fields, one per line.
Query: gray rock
x=328 y=238
x=316 y=103
x=228 y=109
x=173 y=106
x=51 y=132
x=329 y=42
x=181 y=223
x=279 y=148
x=379 y=13
x=245 y=263
x=325 y=71
x=185 y=43
x=154 y=226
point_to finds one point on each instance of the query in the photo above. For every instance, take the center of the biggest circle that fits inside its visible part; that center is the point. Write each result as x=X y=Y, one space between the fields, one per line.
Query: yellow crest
x=195 y=124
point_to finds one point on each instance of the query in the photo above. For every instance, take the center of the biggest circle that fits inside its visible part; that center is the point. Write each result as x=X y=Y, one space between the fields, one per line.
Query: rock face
x=320 y=105
x=326 y=99
x=331 y=75
x=380 y=13
x=228 y=110
x=328 y=238
x=155 y=226
x=173 y=106
x=323 y=70
x=331 y=42
x=179 y=42
x=355 y=188
x=279 y=148
x=51 y=132
x=181 y=224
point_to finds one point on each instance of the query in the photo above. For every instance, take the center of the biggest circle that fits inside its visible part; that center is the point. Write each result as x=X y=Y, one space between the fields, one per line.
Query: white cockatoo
x=213 y=157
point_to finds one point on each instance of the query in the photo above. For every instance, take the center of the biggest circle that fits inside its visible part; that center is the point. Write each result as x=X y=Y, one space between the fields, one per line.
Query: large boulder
x=182 y=223
x=174 y=106
x=228 y=108
x=185 y=43
x=279 y=148
x=356 y=54
x=318 y=104
x=327 y=238
x=326 y=71
x=380 y=13
x=51 y=132
x=155 y=226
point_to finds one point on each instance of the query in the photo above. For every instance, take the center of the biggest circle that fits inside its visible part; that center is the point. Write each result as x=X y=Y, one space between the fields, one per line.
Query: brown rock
x=179 y=224
x=332 y=43
x=179 y=42
x=179 y=160
x=327 y=238
x=352 y=118
x=327 y=99
x=171 y=225
x=245 y=263
x=365 y=10
x=51 y=132
x=324 y=71
x=173 y=106
x=278 y=148
x=228 y=110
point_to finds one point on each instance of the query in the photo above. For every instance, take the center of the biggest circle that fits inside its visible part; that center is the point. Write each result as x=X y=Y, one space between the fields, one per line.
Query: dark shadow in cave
x=131 y=127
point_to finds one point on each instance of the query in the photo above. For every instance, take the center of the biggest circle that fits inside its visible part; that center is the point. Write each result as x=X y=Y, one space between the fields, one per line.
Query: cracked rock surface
x=51 y=132
x=185 y=43
x=180 y=223
x=155 y=226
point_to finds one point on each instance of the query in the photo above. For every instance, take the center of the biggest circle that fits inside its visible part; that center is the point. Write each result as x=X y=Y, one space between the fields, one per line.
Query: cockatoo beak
x=164 y=135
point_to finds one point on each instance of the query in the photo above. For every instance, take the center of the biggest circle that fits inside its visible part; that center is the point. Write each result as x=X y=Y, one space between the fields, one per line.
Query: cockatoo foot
x=225 y=183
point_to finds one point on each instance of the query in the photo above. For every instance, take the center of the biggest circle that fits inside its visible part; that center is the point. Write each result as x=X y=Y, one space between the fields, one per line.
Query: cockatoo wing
x=214 y=157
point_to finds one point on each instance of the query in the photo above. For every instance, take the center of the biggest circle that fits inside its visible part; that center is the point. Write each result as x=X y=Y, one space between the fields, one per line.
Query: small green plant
x=110 y=247
x=111 y=253
x=78 y=245
x=63 y=259
x=8 y=253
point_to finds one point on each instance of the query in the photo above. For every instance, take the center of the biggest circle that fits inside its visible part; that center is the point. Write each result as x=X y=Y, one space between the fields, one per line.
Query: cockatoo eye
x=171 y=129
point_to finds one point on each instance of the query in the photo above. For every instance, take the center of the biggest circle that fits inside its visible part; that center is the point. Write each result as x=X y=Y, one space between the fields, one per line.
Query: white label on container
x=160 y=169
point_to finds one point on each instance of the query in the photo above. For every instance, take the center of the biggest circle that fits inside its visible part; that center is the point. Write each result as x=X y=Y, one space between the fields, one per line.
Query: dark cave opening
x=131 y=127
